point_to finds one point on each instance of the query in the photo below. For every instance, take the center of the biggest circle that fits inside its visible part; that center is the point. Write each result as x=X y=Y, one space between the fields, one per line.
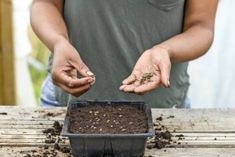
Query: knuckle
x=54 y=75
x=82 y=66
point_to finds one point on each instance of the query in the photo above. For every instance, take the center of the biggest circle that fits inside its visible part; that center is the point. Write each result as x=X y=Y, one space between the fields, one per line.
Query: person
x=95 y=45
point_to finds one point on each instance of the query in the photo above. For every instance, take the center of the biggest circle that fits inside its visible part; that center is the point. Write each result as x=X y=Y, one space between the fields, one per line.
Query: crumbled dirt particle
x=159 y=118
x=180 y=137
x=170 y=117
x=3 y=113
x=52 y=137
x=163 y=137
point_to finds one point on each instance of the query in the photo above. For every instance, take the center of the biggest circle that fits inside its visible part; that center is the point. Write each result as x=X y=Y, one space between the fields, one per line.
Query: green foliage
x=37 y=79
x=40 y=53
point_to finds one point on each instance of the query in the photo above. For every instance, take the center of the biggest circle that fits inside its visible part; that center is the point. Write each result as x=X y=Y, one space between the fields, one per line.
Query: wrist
x=165 y=49
x=59 y=40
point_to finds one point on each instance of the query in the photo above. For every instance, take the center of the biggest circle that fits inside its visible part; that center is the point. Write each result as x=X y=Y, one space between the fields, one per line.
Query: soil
x=120 y=119
x=3 y=113
x=146 y=77
x=163 y=137
x=52 y=138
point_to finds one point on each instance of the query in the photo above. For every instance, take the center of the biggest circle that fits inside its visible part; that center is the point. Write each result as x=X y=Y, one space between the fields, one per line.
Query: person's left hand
x=150 y=72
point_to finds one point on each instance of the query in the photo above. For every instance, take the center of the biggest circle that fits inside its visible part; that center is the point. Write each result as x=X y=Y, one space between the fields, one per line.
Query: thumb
x=81 y=67
x=165 y=69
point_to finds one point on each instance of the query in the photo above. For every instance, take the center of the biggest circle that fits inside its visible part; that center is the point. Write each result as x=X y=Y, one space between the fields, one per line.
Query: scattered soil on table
x=120 y=119
x=180 y=137
x=170 y=117
x=48 y=114
x=163 y=137
x=55 y=130
x=146 y=77
x=54 y=144
x=52 y=114
x=3 y=113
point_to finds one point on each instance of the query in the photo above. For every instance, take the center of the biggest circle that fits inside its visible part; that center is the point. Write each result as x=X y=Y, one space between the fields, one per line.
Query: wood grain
x=207 y=133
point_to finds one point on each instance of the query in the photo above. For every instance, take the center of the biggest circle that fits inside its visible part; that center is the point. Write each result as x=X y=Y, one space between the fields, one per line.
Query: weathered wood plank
x=214 y=120
x=191 y=152
x=178 y=152
x=22 y=151
x=207 y=133
x=199 y=120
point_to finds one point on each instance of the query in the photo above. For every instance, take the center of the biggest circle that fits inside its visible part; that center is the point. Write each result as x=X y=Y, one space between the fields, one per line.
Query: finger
x=144 y=88
x=122 y=87
x=82 y=68
x=70 y=82
x=132 y=78
x=79 y=91
x=75 y=91
x=165 y=73
x=129 y=88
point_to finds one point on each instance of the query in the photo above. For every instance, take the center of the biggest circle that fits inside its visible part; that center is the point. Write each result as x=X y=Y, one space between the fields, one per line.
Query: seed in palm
x=146 y=77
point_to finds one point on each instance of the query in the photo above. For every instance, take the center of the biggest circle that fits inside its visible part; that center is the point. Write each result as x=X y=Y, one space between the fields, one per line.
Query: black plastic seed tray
x=108 y=145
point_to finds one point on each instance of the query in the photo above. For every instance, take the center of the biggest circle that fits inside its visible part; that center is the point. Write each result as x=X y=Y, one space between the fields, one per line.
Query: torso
x=111 y=35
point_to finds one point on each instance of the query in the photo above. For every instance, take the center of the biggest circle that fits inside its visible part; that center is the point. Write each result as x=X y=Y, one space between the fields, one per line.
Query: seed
x=123 y=130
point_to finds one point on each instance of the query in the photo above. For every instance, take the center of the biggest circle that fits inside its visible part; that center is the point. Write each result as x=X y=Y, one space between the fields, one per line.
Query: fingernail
x=122 y=87
x=90 y=73
x=93 y=82
x=90 y=80
x=169 y=84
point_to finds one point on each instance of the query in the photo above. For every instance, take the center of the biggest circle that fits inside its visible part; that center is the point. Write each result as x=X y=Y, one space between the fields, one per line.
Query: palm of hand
x=146 y=75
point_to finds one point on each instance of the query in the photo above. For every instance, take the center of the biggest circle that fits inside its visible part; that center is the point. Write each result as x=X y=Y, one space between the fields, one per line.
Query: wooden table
x=207 y=132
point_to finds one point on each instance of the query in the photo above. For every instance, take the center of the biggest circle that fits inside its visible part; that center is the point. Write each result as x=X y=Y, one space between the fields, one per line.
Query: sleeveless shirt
x=110 y=36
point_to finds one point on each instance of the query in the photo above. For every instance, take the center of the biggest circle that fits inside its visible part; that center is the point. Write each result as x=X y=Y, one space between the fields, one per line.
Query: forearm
x=190 y=44
x=47 y=22
x=198 y=32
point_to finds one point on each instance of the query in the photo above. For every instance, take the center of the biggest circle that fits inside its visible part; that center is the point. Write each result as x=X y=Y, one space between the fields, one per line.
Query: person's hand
x=67 y=66
x=150 y=72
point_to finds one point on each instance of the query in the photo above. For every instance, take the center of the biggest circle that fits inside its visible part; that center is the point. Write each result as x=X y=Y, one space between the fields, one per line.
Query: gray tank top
x=110 y=36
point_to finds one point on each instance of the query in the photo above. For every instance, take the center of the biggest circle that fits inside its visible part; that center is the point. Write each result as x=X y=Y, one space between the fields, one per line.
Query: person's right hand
x=67 y=65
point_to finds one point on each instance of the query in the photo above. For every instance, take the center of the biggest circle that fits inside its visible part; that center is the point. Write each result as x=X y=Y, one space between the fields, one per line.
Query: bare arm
x=192 y=43
x=49 y=25
x=47 y=21
x=198 y=32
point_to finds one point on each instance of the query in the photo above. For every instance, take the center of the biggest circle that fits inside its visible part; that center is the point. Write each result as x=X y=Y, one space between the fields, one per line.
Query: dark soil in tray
x=120 y=119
